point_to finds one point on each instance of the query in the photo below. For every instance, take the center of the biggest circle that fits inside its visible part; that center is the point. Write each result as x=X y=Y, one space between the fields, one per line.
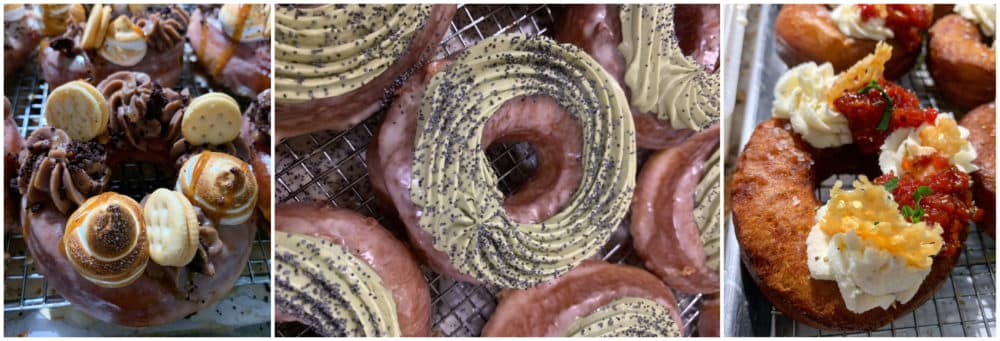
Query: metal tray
x=32 y=308
x=329 y=166
x=966 y=303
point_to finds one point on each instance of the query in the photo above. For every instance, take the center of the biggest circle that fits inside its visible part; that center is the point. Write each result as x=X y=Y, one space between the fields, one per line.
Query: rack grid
x=330 y=167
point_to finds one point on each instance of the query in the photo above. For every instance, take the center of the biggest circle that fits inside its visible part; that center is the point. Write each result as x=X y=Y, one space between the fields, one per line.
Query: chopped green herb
x=891 y=184
x=883 y=125
x=876 y=223
x=916 y=212
x=871 y=85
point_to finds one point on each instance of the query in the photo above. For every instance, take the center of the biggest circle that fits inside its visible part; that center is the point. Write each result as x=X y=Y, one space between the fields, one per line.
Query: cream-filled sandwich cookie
x=211 y=119
x=78 y=109
x=172 y=226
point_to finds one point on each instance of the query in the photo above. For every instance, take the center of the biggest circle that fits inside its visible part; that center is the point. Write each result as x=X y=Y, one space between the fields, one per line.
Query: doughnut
x=981 y=123
x=687 y=37
x=109 y=42
x=675 y=214
x=910 y=222
x=961 y=58
x=12 y=144
x=345 y=275
x=21 y=36
x=443 y=120
x=708 y=319
x=322 y=84
x=813 y=33
x=257 y=134
x=233 y=45
x=54 y=17
x=119 y=260
x=596 y=299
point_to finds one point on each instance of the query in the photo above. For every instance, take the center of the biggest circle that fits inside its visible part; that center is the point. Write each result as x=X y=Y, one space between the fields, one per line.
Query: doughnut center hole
x=138 y=179
x=513 y=163
x=697 y=30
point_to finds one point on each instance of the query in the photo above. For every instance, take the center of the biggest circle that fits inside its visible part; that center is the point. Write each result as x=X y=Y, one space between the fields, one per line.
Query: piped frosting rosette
x=455 y=188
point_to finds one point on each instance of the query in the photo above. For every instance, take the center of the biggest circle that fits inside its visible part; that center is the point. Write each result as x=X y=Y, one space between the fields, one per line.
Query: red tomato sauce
x=907 y=22
x=865 y=111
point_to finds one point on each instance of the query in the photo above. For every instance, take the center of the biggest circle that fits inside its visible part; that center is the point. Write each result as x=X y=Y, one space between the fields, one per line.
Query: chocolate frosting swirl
x=164 y=27
x=55 y=168
x=141 y=109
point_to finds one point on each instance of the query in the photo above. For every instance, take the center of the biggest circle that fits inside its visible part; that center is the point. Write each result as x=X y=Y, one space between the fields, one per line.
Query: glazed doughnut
x=83 y=257
x=328 y=262
x=239 y=61
x=12 y=144
x=961 y=60
x=443 y=120
x=708 y=319
x=807 y=33
x=321 y=86
x=594 y=299
x=21 y=36
x=675 y=214
x=910 y=223
x=981 y=123
x=688 y=36
x=106 y=44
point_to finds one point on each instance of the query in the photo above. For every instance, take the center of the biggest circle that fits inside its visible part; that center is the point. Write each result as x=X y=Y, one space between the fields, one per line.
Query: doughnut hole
x=831 y=167
x=545 y=143
x=697 y=30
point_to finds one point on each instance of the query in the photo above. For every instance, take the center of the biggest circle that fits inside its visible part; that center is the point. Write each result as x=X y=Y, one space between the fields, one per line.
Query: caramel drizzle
x=75 y=223
x=227 y=200
x=227 y=54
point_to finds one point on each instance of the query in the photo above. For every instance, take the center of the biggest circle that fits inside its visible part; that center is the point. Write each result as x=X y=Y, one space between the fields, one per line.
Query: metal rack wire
x=966 y=303
x=25 y=289
x=330 y=167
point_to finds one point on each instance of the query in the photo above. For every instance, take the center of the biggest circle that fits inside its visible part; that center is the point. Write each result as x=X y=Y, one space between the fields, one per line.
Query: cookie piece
x=78 y=109
x=211 y=119
x=172 y=226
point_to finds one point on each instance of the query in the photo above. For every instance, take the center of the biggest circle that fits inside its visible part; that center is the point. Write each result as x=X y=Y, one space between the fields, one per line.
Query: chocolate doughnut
x=981 y=123
x=12 y=144
x=675 y=214
x=440 y=124
x=333 y=79
x=239 y=61
x=345 y=275
x=20 y=38
x=961 y=58
x=684 y=53
x=594 y=299
x=708 y=318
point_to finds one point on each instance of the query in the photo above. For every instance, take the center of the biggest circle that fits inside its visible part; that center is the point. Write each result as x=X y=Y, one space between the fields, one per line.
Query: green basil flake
x=873 y=84
x=891 y=184
x=883 y=125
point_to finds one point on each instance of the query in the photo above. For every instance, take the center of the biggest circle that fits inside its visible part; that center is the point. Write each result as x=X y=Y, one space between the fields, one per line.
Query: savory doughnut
x=675 y=214
x=115 y=259
x=149 y=40
x=20 y=38
x=961 y=58
x=686 y=96
x=910 y=223
x=594 y=299
x=12 y=143
x=333 y=79
x=239 y=61
x=981 y=123
x=844 y=35
x=345 y=275
x=443 y=120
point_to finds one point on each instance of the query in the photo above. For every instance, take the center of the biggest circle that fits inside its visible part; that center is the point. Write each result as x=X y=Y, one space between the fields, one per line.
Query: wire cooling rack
x=966 y=303
x=330 y=167
x=25 y=289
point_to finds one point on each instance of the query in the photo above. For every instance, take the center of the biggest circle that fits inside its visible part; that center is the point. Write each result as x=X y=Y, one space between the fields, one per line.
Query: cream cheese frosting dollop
x=945 y=136
x=984 y=15
x=661 y=78
x=800 y=97
x=323 y=285
x=454 y=186
x=861 y=241
x=848 y=20
x=626 y=317
x=706 y=210
x=330 y=50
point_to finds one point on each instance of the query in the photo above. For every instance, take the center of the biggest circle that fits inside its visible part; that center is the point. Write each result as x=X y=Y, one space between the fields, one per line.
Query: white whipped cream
x=800 y=97
x=983 y=15
x=257 y=26
x=848 y=21
x=905 y=143
x=867 y=276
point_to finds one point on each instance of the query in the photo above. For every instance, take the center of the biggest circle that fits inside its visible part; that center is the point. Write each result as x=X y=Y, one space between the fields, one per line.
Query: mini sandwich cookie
x=79 y=109
x=97 y=24
x=211 y=119
x=172 y=226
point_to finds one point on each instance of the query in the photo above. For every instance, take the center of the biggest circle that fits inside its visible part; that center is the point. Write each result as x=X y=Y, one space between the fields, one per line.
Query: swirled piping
x=164 y=27
x=323 y=285
x=706 y=210
x=626 y=317
x=330 y=50
x=141 y=109
x=57 y=170
x=662 y=79
x=455 y=188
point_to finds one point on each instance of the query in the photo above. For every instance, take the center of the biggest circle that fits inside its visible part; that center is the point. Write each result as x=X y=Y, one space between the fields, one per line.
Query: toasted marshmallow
x=124 y=43
x=222 y=185
x=256 y=27
x=105 y=240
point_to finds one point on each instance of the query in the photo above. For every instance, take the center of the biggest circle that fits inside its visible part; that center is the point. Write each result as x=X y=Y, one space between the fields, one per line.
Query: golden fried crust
x=807 y=33
x=963 y=66
x=981 y=123
x=773 y=211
